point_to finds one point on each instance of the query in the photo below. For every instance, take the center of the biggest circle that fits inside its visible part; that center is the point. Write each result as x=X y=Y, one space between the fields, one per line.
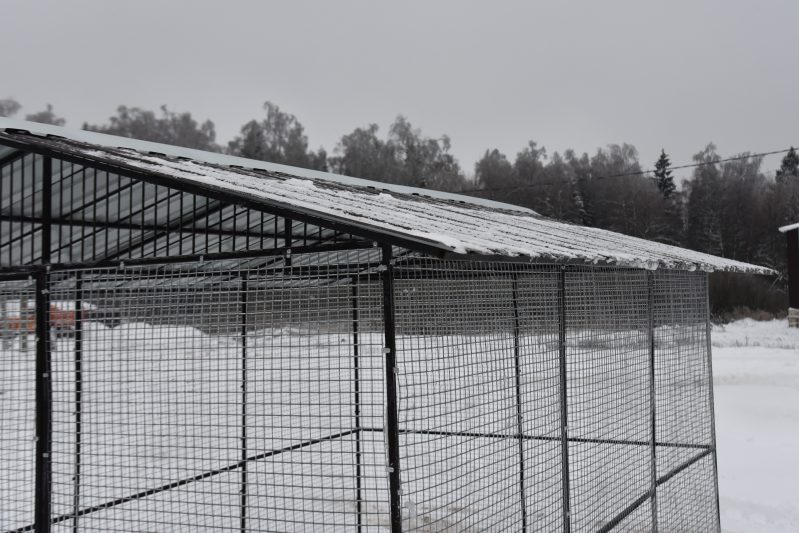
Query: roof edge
x=789 y=227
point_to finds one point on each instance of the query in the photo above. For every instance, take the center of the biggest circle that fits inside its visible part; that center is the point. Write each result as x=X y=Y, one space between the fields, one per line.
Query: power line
x=627 y=174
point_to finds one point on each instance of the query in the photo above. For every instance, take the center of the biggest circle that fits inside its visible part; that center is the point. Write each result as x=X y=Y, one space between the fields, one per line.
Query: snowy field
x=756 y=375
x=757 y=408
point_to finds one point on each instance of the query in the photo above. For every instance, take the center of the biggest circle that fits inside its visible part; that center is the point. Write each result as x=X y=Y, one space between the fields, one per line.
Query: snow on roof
x=454 y=224
x=789 y=227
x=113 y=141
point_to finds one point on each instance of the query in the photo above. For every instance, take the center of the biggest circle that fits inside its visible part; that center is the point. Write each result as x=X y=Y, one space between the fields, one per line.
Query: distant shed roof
x=789 y=227
x=451 y=223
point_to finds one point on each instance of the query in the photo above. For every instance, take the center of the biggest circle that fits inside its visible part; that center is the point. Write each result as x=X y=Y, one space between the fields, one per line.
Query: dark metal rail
x=615 y=521
x=45 y=525
x=578 y=440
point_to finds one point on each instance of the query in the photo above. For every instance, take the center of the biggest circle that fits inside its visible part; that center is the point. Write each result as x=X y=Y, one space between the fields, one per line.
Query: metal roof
x=225 y=160
x=418 y=218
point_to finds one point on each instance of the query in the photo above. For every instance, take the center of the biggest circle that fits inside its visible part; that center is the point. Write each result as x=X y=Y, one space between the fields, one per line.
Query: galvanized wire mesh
x=17 y=403
x=609 y=393
x=214 y=397
x=478 y=367
x=689 y=500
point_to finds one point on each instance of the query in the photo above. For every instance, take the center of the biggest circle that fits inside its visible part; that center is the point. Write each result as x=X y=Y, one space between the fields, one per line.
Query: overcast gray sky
x=672 y=74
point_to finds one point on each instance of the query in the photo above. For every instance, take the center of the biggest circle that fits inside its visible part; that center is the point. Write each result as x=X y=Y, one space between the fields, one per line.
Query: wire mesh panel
x=215 y=399
x=255 y=396
x=609 y=397
x=477 y=367
x=687 y=496
x=17 y=403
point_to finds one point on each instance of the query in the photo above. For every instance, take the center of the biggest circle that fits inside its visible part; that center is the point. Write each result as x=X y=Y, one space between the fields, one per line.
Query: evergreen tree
x=580 y=167
x=665 y=181
x=789 y=170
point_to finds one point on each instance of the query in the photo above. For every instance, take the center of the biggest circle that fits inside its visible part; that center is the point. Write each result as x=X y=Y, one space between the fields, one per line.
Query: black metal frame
x=48 y=149
x=518 y=377
x=280 y=258
x=650 y=284
x=44 y=391
x=564 y=414
x=392 y=429
x=78 y=395
x=392 y=419
x=357 y=401
x=244 y=450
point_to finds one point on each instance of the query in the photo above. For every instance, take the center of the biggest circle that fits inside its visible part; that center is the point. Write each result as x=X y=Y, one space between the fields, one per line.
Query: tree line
x=728 y=207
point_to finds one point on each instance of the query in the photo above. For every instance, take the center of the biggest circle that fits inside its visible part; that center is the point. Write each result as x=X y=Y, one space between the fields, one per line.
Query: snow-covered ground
x=756 y=376
x=756 y=366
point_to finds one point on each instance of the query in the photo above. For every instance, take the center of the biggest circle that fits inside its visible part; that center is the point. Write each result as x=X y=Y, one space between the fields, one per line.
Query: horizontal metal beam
x=546 y=438
x=616 y=520
x=244 y=254
x=104 y=224
x=199 y=477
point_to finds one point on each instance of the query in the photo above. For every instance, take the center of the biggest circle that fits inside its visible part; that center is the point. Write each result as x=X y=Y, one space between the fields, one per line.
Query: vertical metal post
x=47 y=206
x=43 y=406
x=288 y=236
x=650 y=277
x=564 y=411
x=711 y=398
x=357 y=399
x=243 y=333
x=392 y=421
x=44 y=385
x=520 y=428
x=793 y=268
x=78 y=396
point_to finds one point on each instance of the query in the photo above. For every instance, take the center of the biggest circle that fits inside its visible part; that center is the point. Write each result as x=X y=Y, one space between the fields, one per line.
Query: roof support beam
x=175 y=226
x=103 y=224
x=39 y=146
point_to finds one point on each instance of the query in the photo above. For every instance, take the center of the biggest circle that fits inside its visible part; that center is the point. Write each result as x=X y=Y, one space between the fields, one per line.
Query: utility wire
x=632 y=173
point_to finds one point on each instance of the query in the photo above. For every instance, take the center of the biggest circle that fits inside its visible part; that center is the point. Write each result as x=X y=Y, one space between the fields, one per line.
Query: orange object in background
x=60 y=320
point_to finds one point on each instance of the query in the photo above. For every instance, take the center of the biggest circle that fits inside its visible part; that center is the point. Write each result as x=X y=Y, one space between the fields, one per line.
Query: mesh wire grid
x=234 y=405
x=689 y=499
x=478 y=366
x=17 y=403
x=212 y=398
x=609 y=393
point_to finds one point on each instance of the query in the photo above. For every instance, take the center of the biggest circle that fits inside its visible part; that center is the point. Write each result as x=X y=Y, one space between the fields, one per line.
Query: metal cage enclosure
x=178 y=361
x=535 y=398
